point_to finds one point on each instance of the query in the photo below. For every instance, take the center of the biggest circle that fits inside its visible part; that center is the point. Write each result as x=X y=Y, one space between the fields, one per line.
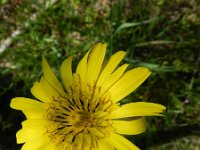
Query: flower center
x=80 y=115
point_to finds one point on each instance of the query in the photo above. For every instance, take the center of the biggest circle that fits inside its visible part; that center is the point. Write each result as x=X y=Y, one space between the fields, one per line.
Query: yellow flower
x=85 y=114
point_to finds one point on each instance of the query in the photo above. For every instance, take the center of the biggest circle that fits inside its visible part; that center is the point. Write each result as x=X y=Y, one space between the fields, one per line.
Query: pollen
x=81 y=113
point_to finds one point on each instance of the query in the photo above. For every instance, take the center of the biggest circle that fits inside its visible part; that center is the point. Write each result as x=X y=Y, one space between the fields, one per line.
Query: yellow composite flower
x=85 y=113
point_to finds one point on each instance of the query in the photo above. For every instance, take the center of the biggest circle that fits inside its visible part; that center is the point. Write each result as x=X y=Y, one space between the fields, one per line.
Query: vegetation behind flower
x=161 y=35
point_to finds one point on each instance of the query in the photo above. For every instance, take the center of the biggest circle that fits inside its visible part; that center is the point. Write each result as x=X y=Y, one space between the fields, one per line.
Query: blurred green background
x=163 y=35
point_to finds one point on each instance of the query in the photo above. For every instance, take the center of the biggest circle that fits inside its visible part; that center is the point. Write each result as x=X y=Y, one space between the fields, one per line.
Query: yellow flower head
x=85 y=114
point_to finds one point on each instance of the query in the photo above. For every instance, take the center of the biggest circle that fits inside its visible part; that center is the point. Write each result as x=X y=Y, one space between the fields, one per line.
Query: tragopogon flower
x=85 y=113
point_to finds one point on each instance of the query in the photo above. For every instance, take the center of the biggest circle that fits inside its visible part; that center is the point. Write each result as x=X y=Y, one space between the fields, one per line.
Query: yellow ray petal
x=78 y=142
x=31 y=108
x=95 y=60
x=104 y=145
x=30 y=133
x=22 y=103
x=40 y=93
x=36 y=144
x=87 y=141
x=66 y=72
x=51 y=146
x=121 y=143
x=138 y=109
x=81 y=69
x=114 y=77
x=49 y=89
x=131 y=127
x=111 y=65
x=128 y=83
x=36 y=123
x=50 y=77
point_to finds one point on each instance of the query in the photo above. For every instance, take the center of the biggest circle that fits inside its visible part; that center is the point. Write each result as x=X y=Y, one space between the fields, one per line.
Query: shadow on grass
x=10 y=120
x=149 y=139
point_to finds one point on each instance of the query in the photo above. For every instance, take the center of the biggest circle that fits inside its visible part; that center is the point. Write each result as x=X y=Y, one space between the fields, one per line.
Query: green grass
x=161 y=35
x=186 y=143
